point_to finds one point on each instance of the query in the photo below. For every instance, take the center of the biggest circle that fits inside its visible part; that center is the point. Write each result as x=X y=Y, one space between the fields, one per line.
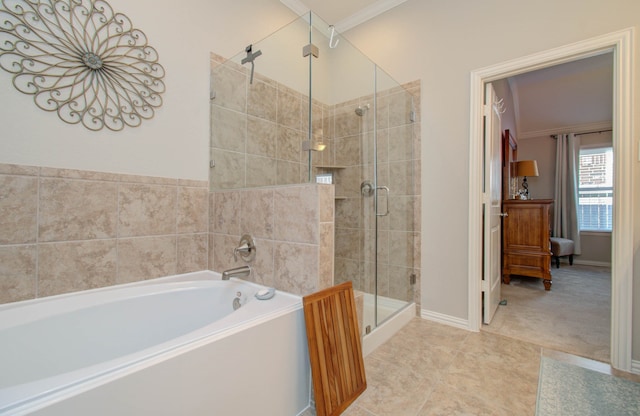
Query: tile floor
x=433 y=369
x=429 y=369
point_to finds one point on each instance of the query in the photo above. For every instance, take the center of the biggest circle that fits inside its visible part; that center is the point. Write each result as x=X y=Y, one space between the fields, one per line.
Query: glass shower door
x=364 y=120
x=396 y=198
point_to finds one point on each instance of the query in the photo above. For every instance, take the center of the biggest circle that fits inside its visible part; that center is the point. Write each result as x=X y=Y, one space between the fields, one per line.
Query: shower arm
x=250 y=58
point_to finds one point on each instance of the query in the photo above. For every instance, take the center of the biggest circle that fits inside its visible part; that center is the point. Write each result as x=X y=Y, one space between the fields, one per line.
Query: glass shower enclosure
x=318 y=110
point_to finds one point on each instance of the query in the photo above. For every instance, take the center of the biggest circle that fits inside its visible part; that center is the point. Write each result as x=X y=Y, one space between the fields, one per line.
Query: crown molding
x=367 y=13
x=296 y=6
x=576 y=128
x=349 y=22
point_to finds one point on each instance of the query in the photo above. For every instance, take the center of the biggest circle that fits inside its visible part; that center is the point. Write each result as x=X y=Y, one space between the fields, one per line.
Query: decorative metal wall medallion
x=82 y=60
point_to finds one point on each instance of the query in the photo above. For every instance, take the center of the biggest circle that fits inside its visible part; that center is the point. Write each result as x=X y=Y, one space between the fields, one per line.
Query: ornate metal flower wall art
x=82 y=60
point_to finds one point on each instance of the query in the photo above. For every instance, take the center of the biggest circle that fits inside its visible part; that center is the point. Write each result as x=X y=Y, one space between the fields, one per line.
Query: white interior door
x=492 y=196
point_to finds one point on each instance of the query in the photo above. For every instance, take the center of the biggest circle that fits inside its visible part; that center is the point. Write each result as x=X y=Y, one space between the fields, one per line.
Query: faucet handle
x=246 y=249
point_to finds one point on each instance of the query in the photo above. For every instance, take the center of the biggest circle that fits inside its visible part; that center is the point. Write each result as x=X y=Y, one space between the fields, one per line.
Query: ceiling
x=572 y=97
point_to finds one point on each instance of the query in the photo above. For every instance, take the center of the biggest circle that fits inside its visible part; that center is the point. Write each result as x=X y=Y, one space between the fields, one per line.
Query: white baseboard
x=586 y=263
x=635 y=366
x=445 y=319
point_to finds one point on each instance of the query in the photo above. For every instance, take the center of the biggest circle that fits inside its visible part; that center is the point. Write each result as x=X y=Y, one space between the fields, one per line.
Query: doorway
x=622 y=238
x=575 y=315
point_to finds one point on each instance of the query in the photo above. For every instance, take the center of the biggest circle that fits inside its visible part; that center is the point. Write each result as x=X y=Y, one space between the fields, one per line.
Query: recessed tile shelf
x=332 y=167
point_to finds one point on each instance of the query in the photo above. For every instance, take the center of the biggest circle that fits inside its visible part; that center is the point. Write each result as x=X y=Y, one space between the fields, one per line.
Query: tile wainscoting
x=69 y=230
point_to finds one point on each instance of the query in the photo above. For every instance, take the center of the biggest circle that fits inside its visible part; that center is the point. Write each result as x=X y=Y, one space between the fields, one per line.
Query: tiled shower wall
x=68 y=230
x=257 y=135
x=257 y=129
x=293 y=230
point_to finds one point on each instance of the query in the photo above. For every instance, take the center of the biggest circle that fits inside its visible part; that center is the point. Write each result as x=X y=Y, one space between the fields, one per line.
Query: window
x=595 y=189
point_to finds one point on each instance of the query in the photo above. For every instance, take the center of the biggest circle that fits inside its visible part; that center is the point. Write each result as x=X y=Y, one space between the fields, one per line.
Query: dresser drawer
x=534 y=265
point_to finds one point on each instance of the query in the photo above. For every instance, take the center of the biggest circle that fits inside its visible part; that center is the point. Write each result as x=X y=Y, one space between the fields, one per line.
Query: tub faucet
x=242 y=271
x=244 y=250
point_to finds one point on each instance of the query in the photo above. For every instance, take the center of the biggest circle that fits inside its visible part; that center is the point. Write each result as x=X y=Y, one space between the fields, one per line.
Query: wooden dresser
x=526 y=248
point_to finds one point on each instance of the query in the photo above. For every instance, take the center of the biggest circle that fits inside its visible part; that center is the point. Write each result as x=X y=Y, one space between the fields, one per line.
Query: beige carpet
x=573 y=317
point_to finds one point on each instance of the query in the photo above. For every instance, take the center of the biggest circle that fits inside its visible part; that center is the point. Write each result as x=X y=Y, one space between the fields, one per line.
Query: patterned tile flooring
x=433 y=369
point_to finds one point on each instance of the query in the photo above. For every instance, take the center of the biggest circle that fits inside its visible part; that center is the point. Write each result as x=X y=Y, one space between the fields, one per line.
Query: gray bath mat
x=565 y=389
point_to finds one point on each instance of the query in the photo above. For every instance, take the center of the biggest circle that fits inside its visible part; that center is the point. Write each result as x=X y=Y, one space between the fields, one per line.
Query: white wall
x=441 y=42
x=175 y=142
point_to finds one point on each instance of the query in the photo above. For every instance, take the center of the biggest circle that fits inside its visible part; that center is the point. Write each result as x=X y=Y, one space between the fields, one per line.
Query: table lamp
x=526 y=168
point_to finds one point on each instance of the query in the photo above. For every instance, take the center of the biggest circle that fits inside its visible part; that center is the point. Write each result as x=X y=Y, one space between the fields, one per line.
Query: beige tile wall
x=257 y=129
x=293 y=229
x=69 y=230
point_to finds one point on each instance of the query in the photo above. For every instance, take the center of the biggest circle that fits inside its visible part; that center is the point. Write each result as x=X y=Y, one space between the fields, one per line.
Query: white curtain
x=565 y=209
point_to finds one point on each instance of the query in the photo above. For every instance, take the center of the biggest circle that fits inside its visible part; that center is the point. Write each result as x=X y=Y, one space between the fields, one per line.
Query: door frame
x=620 y=43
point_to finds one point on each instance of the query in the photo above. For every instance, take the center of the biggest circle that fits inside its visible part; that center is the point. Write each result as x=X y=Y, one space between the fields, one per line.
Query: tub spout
x=242 y=271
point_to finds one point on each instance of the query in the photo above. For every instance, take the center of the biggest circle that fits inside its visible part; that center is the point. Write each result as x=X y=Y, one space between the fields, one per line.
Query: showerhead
x=316 y=147
x=362 y=109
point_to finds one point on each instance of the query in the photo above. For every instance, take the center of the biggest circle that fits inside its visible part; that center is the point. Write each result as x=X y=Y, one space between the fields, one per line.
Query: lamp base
x=524 y=192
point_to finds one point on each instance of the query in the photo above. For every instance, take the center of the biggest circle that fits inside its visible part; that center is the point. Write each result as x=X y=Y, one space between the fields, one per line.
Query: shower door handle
x=383 y=188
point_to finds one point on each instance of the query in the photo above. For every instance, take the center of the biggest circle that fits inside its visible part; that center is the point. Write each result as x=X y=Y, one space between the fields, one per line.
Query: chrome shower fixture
x=249 y=58
x=362 y=109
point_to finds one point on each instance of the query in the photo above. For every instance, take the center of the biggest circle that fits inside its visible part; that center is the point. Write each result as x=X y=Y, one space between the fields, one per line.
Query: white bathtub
x=168 y=346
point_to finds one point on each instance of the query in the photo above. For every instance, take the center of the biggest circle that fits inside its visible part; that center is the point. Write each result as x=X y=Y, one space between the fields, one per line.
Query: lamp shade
x=527 y=168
